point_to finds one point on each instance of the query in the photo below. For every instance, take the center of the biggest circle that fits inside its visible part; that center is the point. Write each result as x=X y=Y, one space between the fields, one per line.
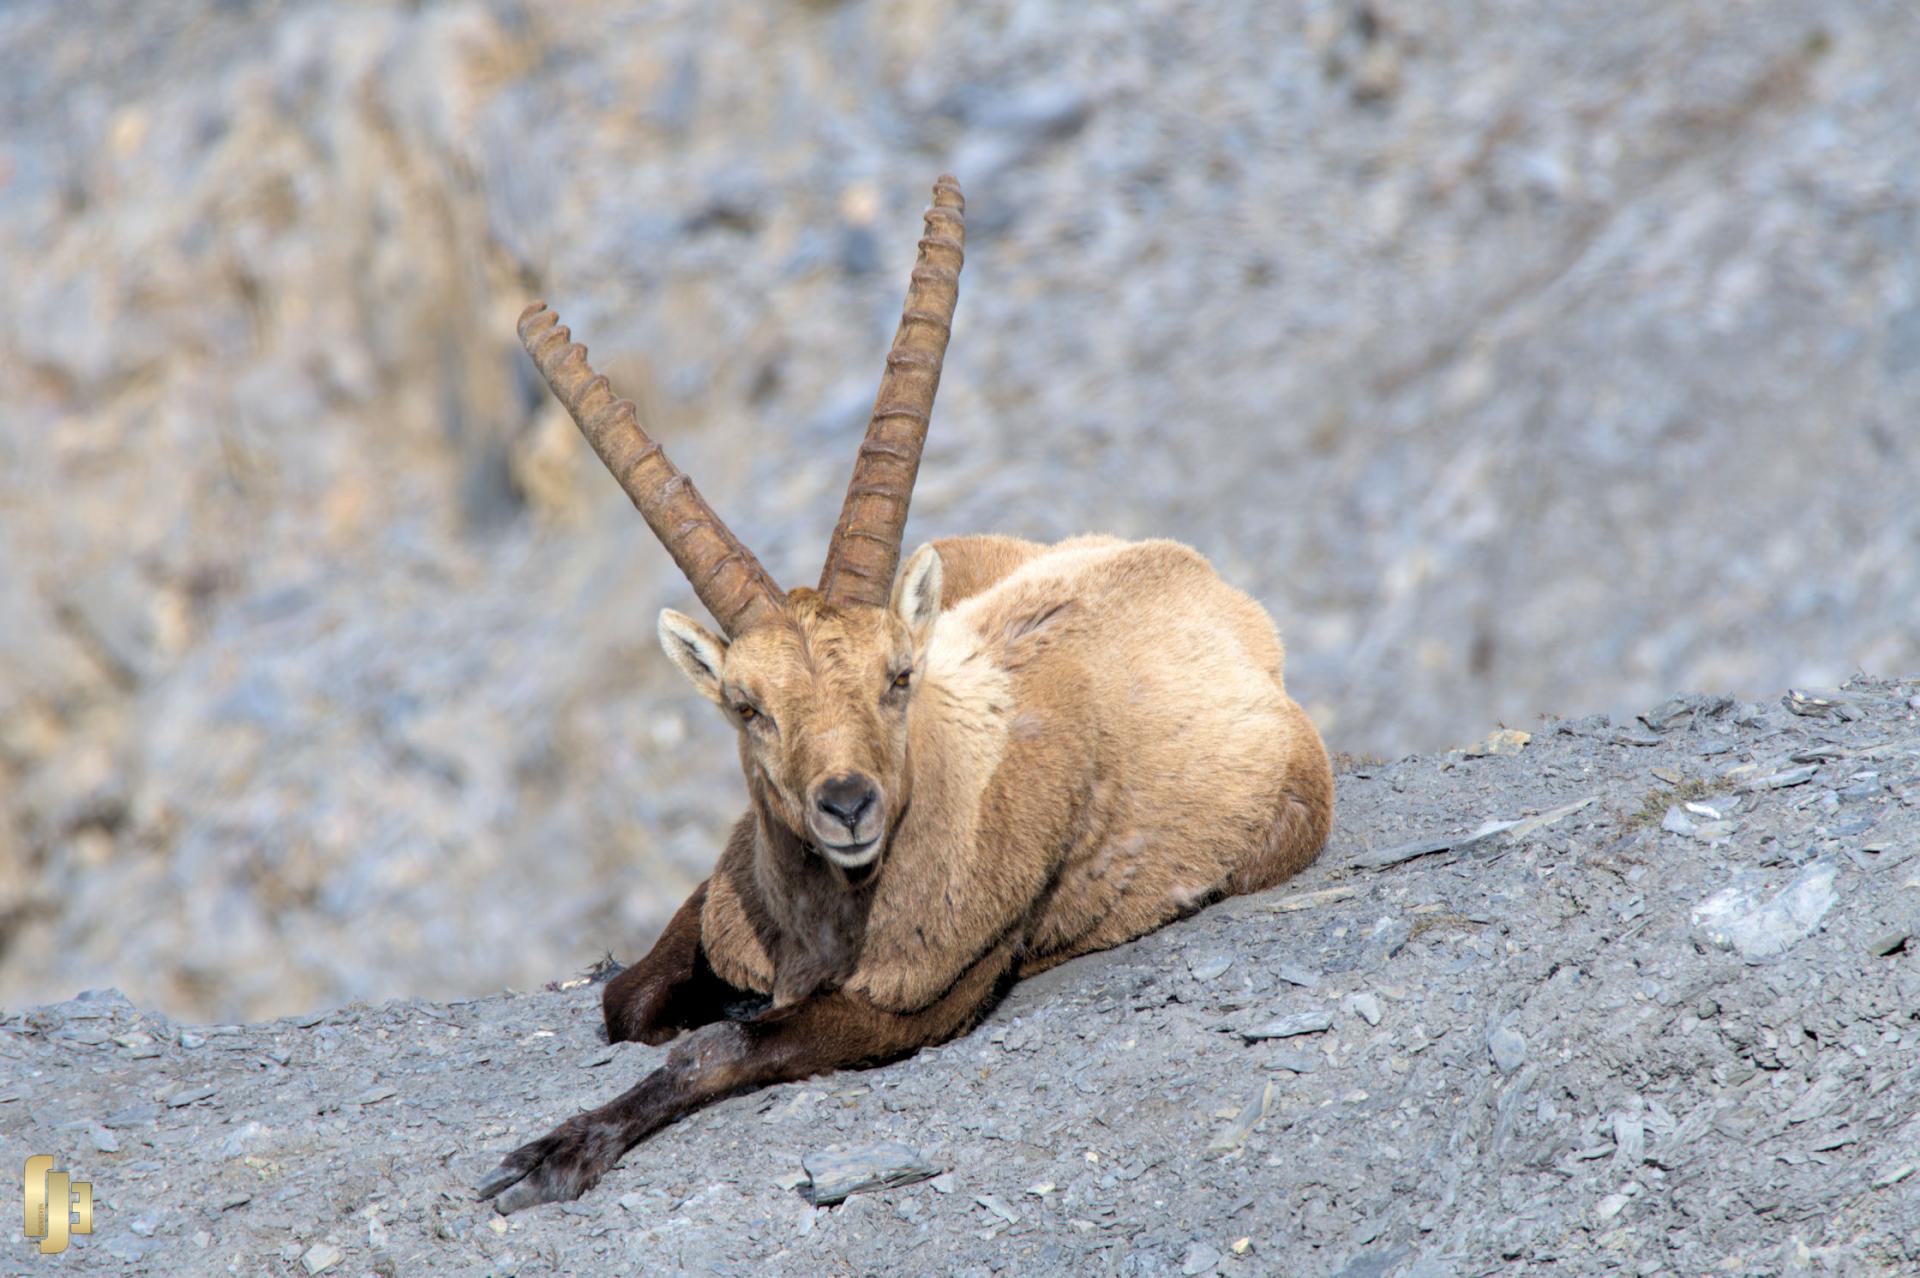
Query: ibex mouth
x=851 y=856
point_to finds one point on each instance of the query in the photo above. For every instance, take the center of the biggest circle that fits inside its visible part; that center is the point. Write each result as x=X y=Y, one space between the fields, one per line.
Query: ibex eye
x=745 y=711
x=902 y=679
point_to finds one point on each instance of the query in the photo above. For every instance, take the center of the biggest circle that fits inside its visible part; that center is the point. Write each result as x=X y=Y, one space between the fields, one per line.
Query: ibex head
x=817 y=682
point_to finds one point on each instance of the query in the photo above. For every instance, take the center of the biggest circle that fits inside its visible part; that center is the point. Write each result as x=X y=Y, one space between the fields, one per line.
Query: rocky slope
x=1518 y=356
x=1661 y=1021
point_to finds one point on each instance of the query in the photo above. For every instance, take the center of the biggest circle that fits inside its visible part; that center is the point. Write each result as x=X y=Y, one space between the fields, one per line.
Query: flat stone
x=1289 y=1026
x=1762 y=928
x=1789 y=777
x=1666 y=714
x=833 y=1175
x=1808 y=704
x=1714 y=808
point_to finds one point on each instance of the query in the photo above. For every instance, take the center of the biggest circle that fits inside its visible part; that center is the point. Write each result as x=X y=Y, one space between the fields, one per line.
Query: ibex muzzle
x=959 y=772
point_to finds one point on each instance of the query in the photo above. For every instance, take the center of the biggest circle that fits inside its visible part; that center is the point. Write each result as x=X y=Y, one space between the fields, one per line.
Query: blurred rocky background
x=1519 y=356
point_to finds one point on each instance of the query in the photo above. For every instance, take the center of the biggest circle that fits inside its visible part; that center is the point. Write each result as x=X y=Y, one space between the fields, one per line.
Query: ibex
x=1010 y=755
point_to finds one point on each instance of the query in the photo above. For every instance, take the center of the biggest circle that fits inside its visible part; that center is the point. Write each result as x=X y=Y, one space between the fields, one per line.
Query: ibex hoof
x=558 y=1167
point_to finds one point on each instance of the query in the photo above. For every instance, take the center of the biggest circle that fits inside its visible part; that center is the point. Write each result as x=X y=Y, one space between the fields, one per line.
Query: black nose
x=846 y=798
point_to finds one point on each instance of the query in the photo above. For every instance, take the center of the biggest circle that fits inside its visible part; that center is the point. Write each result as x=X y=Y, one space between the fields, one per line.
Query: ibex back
x=961 y=772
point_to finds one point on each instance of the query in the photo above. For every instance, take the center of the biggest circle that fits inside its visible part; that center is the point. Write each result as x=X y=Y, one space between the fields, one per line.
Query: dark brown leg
x=832 y=1031
x=672 y=988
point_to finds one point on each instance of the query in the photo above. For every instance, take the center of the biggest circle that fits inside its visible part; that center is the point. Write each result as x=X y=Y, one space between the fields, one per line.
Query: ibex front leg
x=833 y=1031
x=673 y=988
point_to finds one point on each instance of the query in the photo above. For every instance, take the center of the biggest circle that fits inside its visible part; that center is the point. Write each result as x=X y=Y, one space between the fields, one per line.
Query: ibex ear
x=696 y=650
x=916 y=593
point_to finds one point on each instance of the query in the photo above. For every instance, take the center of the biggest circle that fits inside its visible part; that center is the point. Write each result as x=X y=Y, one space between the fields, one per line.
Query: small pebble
x=1501 y=742
x=1508 y=1049
x=1889 y=942
x=1293 y=1062
x=321 y=1257
x=1366 y=1006
x=1207 y=968
x=995 y=1204
x=1200 y=1259
x=1893 y=1177
x=1807 y=703
x=1294 y=974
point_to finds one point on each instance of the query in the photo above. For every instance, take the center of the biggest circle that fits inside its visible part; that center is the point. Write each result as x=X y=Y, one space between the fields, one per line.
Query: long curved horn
x=865 y=551
x=724 y=573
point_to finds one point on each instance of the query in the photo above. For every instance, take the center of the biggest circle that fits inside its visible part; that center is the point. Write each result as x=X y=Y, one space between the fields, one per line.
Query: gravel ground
x=1664 y=1024
x=1520 y=357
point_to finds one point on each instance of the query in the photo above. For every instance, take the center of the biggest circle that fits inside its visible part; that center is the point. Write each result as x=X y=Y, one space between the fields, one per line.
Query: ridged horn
x=723 y=573
x=865 y=551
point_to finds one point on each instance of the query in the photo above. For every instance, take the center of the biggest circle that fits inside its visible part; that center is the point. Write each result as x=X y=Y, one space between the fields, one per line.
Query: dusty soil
x=1631 y=1037
x=1519 y=357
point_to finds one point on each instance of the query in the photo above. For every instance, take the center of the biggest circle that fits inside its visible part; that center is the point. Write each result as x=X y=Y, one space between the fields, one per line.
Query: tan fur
x=1098 y=740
